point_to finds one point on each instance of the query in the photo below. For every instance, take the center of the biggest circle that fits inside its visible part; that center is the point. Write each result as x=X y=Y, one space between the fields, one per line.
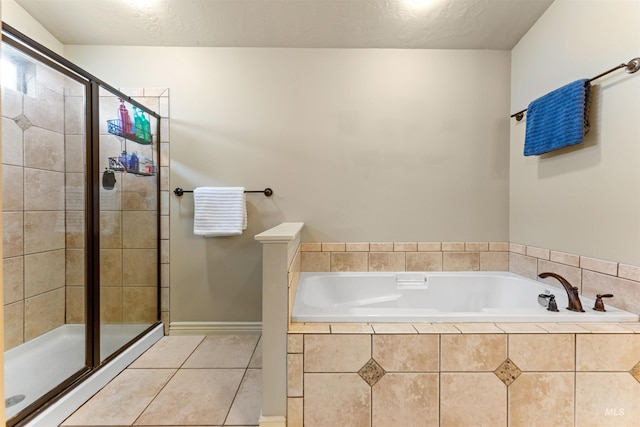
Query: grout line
x=154 y=397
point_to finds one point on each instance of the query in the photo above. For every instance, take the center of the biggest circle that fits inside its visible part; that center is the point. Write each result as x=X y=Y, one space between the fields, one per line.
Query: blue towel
x=558 y=119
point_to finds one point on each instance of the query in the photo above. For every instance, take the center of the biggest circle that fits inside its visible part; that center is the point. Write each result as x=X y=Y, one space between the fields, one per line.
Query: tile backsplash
x=592 y=276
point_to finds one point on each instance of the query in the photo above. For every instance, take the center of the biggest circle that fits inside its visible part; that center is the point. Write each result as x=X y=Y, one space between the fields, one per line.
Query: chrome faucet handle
x=599 y=304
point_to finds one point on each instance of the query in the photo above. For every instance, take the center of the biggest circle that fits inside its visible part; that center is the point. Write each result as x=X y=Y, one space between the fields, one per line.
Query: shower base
x=35 y=367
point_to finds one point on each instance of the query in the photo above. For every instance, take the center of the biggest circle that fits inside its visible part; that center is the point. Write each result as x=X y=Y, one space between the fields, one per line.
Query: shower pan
x=80 y=231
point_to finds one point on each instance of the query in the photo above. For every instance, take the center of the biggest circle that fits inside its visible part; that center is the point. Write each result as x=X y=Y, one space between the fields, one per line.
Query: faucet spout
x=572 y=292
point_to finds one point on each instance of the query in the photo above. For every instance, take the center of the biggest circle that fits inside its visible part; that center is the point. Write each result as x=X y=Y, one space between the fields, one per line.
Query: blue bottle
x=133 y=163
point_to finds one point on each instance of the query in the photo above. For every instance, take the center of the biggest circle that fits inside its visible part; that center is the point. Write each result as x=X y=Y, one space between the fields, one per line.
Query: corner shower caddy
x=114 y=127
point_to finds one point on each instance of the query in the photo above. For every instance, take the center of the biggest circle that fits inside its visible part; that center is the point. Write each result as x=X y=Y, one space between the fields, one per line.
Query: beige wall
x=583 y=200
x=361 y=145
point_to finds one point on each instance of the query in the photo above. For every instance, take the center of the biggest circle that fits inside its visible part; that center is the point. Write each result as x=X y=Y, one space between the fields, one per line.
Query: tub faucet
x=572 y=291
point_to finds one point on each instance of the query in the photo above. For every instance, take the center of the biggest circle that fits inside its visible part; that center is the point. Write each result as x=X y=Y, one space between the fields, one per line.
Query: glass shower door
x=44 y=121
x=128 y=222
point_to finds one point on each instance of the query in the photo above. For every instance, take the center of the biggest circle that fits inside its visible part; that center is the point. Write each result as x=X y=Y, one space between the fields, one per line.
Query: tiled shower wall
x=503 y=374
x=128 y=223
x=43 y=216
x=40 y=184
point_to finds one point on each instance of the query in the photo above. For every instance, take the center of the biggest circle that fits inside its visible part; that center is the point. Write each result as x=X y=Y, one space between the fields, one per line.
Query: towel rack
x=631 y=67
x=267 y=191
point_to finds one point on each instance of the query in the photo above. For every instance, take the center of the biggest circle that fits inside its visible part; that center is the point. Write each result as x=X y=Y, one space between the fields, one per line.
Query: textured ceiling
x=428 y=24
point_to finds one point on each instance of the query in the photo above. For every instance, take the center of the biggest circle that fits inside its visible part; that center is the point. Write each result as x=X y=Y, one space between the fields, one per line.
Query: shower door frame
x=92 y=322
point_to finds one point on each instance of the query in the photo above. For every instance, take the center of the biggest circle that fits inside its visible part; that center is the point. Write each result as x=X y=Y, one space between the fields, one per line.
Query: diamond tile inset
x=507 y=372
x=635 y=372
x=371 y=372
x=23 y=122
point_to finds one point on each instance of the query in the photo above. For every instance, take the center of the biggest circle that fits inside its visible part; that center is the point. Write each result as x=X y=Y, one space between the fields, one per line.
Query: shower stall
x=80 y=206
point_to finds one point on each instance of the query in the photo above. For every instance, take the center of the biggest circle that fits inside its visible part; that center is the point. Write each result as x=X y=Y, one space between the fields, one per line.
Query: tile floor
x=183 y=381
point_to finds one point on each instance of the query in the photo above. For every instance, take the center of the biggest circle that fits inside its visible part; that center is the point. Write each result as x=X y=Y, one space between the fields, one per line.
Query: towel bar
x=267 y=191
x=631 y=67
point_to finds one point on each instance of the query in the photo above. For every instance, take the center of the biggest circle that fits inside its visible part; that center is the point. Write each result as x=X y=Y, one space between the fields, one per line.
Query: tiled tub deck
x=464 y=374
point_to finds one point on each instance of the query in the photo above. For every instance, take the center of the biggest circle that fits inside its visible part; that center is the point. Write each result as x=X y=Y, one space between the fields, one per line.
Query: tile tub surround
x=592 y=276
x=502 y=371
x=444 y=375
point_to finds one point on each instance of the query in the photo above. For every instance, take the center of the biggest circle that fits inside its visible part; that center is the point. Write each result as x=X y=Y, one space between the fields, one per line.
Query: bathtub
x=437 y=297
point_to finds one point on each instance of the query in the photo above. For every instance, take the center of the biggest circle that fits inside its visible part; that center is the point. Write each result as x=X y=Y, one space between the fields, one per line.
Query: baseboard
x=215 y=328
x=272 y=421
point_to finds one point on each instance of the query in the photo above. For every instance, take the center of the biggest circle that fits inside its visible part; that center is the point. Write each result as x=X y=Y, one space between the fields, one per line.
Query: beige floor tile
x=122 y=400
x=247 y=404
x=256 y=359
x=405 y=400
x=223 y=351
x=194 y=396
x=169 y=352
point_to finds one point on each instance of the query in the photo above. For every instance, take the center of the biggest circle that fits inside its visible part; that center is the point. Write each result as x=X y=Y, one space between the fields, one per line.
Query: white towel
x=219 y=211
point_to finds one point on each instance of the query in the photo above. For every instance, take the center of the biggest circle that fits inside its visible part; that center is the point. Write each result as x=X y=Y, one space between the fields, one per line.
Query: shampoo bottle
x=139 y=129
x=147 y=128
x=125 y=120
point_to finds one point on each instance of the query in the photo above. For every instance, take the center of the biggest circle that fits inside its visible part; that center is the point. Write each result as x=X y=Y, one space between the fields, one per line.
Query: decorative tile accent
x=23 y=122
x=635 y=372
x=371 y=372
x=508 y=372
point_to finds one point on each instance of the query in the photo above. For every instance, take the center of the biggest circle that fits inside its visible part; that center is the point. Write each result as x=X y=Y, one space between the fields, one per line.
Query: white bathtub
x=437 y=297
